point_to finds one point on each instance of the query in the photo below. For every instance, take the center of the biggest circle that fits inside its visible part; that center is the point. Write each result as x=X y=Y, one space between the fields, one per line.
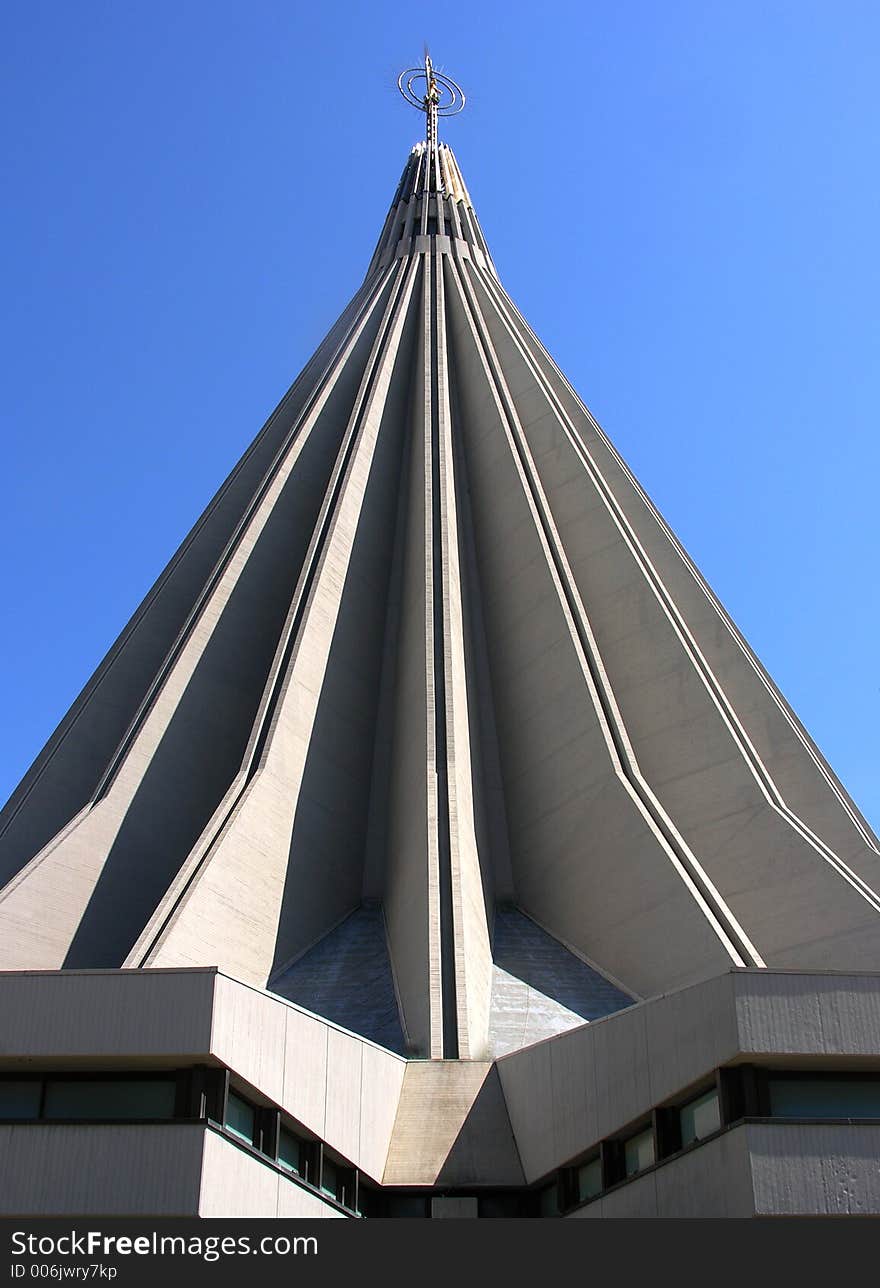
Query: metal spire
x=432 y=97
x=432 y=93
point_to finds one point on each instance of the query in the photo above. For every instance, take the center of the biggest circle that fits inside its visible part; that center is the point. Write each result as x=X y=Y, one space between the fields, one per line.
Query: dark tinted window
x=130 y=1098
x=825 y=1097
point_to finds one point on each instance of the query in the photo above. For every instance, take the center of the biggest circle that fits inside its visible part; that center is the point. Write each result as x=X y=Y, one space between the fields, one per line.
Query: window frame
x=176 y=1076
x=819 y=1075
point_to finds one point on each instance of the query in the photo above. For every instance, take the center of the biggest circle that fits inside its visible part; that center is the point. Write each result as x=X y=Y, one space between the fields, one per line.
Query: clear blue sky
x=682 y=198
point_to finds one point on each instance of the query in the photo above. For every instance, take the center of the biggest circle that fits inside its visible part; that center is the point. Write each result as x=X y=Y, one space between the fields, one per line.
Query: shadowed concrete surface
x=452 y=1127
x=347 y=978
x=540 y=988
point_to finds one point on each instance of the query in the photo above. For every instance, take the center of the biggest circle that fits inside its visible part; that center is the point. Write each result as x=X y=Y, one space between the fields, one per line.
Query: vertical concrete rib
x=232 y=898
x=467 y=937
x=411 y=876
x=439 y=619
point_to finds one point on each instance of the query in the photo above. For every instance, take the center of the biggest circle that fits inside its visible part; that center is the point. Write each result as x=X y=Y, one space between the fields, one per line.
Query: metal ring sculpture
x=450 y=97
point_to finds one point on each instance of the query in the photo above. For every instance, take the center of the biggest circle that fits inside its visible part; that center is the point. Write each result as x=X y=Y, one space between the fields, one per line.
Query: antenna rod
x=441 y=96
x=432 y=98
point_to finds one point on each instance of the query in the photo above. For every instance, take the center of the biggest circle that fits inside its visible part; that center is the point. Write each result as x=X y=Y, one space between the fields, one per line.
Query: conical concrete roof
x=431 y=724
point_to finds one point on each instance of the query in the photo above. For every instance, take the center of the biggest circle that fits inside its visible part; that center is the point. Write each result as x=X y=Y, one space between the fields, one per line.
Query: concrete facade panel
x=234 y=1184
x=436 y=1098
x=381 y=1084
x=527 y=1084
x=113 y=1015
x=714 y=1180
x=815 y=1169
x=834 y=1014
x=637 y=1199
x=305 y=1069
x=342 y=1120
x=108 y=1170
x=249 y=1035
x=573 y=1083
x=690 y=1032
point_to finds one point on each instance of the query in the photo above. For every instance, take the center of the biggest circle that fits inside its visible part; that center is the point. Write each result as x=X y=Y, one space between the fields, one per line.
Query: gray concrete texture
x=441 y=1124
x=124 y=1170
x=431 y=649
x=339 y=1086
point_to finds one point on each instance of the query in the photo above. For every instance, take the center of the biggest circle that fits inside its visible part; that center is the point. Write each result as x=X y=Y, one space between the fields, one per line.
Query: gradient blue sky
x=682 y=198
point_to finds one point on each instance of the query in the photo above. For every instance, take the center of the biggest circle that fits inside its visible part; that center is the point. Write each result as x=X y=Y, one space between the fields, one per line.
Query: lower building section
x=184 y=1092
x=760 y=1169
x=156 y=1169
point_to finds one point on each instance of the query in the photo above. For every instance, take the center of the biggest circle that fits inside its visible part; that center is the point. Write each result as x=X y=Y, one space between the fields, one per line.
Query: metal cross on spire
x=432 y=93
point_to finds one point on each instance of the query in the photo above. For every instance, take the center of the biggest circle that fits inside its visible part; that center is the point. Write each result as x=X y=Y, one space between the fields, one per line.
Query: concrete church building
x=430 y=842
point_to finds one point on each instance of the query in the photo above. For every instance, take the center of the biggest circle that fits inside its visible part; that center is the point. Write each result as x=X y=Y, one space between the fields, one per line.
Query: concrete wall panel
x=821 y=1170
x=689 y=1032
x=810 y=1014
x=436 y=1098
x=344 y=1082
x=713 y=1180
x=248 y=1034
x=381 y=1083
x=566 y=1093
x=234 y=1184
x=106 y=1015
x=305 y=1069
x=107 y=1170
x=337 y=1085
x=638 y=1199
x=527 y=1083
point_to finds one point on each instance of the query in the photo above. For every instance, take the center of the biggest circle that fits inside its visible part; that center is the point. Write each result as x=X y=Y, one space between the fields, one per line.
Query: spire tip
x=441 y=95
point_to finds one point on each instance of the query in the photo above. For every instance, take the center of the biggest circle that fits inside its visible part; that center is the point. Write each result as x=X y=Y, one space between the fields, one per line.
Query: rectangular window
x=825 y=1097
x=346 y=1187
x=329 y=1178
x=239 y=1118
x=638 y=1152
x=292 y=1153
x=407 y=1205
x=700 y=1117
x=104 y=1099
x=548 y=1200
x=20 y=1099
x=589 y=1180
